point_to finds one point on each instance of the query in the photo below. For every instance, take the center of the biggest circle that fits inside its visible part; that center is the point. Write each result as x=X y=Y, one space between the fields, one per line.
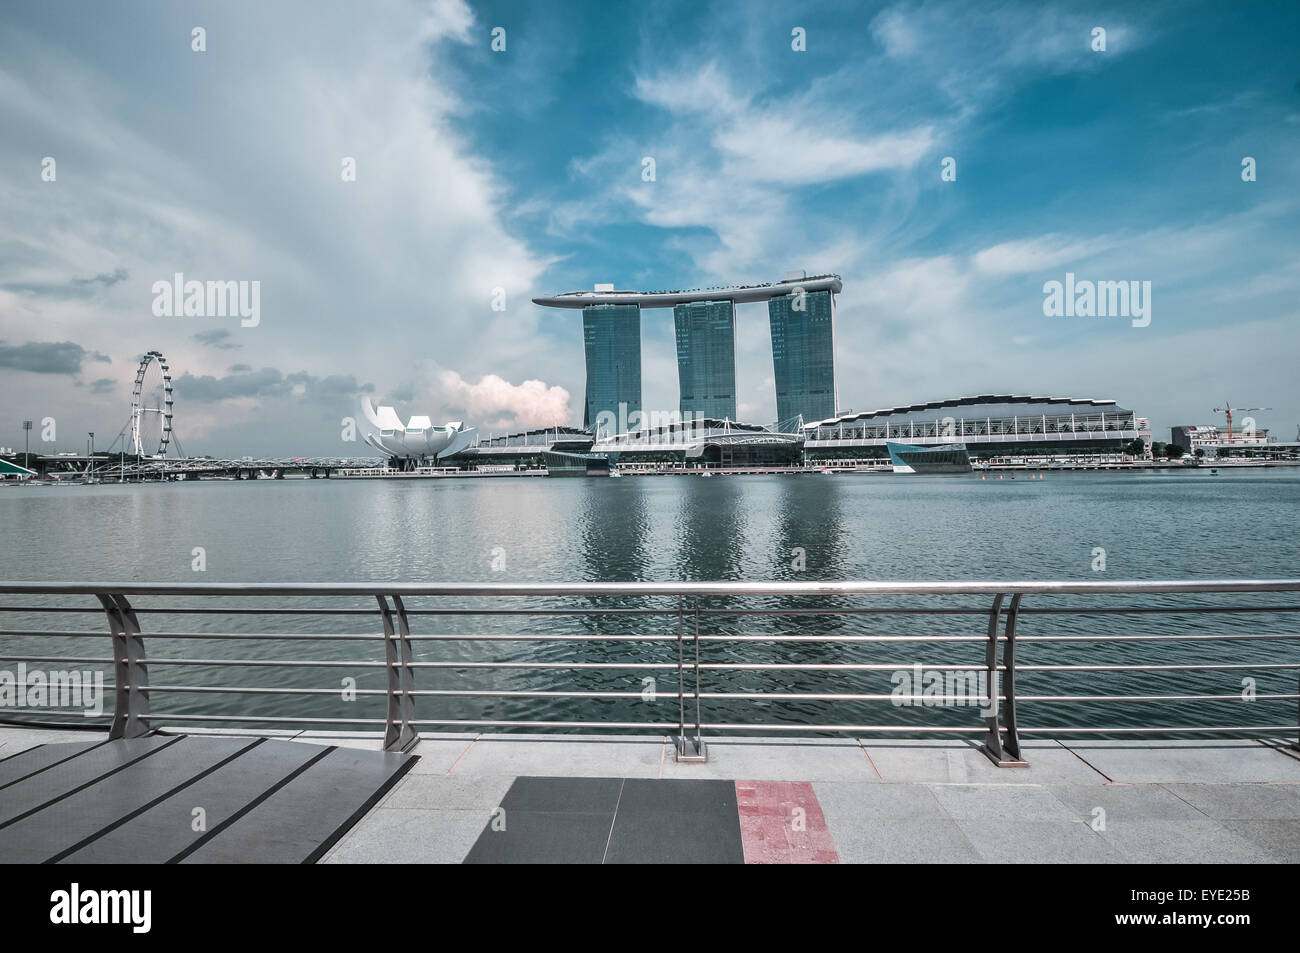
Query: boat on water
x=938 y=458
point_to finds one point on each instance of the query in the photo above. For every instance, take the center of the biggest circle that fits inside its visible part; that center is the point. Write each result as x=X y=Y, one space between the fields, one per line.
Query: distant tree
x=1174 y=451
x=1136 y=448
x=1200 y=453
x=1158 y=449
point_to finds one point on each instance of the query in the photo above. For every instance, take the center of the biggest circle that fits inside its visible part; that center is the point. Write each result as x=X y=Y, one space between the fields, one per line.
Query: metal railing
x=713 y=640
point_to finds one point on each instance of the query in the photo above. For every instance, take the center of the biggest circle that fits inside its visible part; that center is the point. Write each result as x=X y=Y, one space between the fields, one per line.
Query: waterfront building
x=702 y=443
x=803 y=351
x=706 y=358
x=612 y=339
x=414 y=443
x=1210 y=438
x=989 y=425
x=803 y=356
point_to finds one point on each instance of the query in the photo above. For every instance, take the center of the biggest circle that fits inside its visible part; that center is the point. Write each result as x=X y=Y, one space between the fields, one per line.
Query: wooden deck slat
x=40 y=789
x=70 y=820
x=167 y=829
x=17 y=766
x=299 y=822
x=133 y=801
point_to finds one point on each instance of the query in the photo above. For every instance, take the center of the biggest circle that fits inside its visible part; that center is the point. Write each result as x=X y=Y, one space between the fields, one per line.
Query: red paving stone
x=768 y=822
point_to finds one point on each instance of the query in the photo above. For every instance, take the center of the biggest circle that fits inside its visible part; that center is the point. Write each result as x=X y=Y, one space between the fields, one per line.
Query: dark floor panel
x=166 y=829
x=40 y=789
x=71 y=820
x=563 y=795
x=656 y=795
x=607 y=820
x=532 y=837
x=683 y=838
x=301 y=820
x=676 y=822
x=24 y=763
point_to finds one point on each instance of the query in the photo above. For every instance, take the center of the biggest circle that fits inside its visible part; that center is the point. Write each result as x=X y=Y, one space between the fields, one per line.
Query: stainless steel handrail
x=1080 y=587
x=682 y=605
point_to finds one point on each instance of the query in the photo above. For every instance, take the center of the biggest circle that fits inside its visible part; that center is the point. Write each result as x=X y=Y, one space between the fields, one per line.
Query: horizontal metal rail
x=686 y=630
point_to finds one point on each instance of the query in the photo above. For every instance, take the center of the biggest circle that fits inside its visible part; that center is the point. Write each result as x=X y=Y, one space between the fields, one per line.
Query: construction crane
x=1228 y=410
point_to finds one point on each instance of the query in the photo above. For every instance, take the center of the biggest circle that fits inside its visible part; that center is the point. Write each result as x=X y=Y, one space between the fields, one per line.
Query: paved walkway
x=500 y=798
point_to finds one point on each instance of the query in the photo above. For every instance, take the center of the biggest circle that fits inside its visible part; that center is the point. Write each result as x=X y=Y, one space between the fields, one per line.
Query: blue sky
x=521 y=170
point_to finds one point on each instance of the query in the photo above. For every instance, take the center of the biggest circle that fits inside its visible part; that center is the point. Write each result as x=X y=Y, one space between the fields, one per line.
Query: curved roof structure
x=416 y=438
x=992 y=405
x=667 y=299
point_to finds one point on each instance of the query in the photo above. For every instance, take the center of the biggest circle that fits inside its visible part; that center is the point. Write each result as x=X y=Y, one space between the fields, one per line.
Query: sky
x=486 y=177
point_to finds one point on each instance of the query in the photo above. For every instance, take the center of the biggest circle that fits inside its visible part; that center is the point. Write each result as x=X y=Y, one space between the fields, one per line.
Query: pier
x=482 y=798
x=703 y=761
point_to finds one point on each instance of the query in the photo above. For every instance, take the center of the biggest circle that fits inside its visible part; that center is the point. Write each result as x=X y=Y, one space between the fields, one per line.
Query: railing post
x=399 y=733
x=1002 y=746
x=688 y=749
x=130 y=673
x=992 y=740
x=1011 y=735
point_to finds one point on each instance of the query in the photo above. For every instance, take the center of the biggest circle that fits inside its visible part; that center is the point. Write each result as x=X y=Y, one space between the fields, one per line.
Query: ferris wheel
x=151 y=406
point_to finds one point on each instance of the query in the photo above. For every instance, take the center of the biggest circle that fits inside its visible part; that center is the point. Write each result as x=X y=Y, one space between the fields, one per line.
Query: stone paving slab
x=16 y=740
x=504 y=755
x=1184 y=842
x=1246 y=801
x=863 y=839
x=883 y=801
x=1125 y=802
x=1000 y=804
x=411 y=836
x=1146 y=762
x=963 y=762
x=1279 y=840
x=1011 y=840
x=733 y=759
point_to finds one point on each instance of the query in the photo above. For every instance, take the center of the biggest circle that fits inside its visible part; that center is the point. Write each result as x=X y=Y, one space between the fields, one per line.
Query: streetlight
x=27 y=448
x=90 y=462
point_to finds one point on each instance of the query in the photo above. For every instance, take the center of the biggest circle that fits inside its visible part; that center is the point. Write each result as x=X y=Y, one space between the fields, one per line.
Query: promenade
x=593 y=799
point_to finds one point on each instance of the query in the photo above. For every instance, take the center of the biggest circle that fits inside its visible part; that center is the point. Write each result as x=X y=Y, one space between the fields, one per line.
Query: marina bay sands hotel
x=801 y=312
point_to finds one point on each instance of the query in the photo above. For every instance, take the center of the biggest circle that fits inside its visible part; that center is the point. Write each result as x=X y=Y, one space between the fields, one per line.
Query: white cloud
x=234 y=173
x=1037 y=254
x=782 y=149
x=497 y=403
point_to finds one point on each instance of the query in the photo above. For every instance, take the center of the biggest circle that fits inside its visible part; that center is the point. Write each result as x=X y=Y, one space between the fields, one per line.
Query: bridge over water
x=107 y=469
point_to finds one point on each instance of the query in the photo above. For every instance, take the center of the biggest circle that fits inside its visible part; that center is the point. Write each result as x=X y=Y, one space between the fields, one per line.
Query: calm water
x=849 y=526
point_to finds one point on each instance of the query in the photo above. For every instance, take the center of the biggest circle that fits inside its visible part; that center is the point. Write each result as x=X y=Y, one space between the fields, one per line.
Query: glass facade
x=706 y=358
x=803 y=357
x=612 y=337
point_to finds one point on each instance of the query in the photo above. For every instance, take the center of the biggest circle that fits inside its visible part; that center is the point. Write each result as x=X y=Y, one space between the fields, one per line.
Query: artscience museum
x=414 y=443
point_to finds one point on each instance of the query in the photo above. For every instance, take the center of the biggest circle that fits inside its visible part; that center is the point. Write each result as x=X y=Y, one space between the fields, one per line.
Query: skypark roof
x=667 y=299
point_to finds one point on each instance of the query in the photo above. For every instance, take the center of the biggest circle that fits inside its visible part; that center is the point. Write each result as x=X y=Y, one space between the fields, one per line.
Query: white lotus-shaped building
x=417 y=439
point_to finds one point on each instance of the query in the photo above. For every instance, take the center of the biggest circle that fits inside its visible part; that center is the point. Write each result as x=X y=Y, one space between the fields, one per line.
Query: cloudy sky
x=487 y=176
